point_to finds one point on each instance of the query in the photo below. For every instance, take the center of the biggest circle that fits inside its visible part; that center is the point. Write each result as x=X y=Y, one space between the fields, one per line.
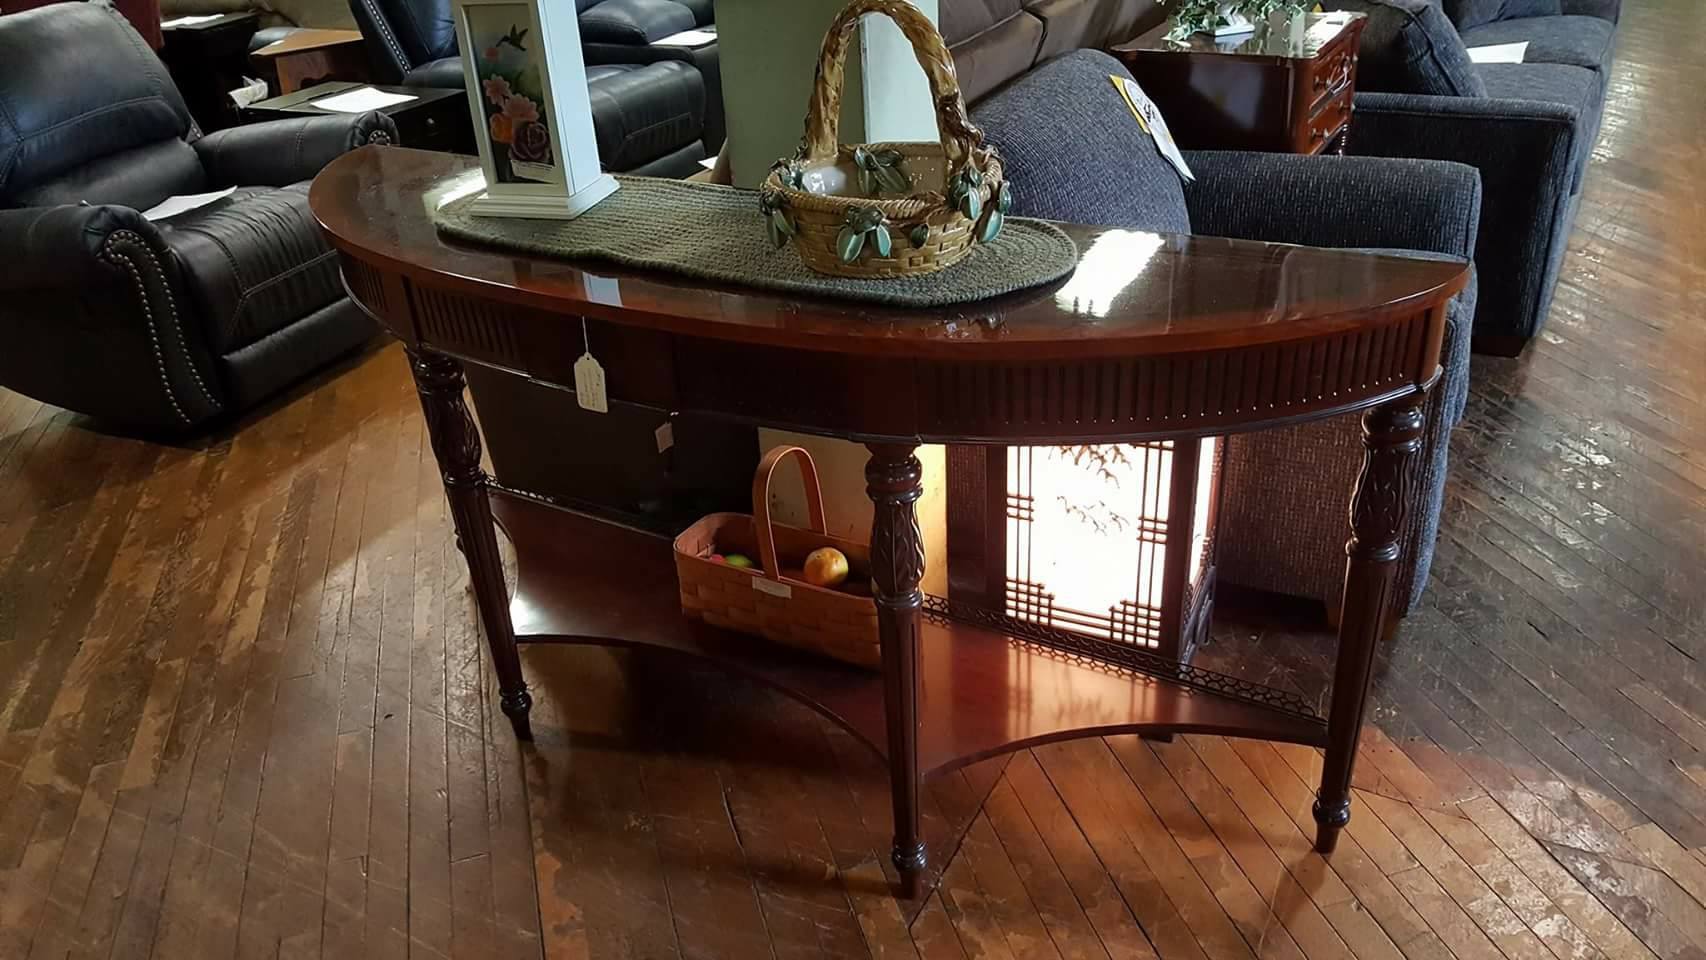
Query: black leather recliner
x=628 y=31
x=167 y=324
x=649 y=117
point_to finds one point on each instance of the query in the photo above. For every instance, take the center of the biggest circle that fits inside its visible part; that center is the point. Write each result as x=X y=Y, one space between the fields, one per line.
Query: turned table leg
x=1392 y=436
x=456 y=444
x=894 y=481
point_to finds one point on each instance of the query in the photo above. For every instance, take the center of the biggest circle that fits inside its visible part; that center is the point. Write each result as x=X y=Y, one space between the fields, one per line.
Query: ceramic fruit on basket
x=886 y=209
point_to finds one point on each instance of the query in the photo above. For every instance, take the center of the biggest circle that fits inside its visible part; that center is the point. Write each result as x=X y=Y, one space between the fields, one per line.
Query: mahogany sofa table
x=1154 y=337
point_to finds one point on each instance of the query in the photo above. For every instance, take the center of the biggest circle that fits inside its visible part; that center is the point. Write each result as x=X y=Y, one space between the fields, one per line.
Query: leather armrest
x=92 y=301
x=281 y=152
x=45 y=247
x=1424 y=205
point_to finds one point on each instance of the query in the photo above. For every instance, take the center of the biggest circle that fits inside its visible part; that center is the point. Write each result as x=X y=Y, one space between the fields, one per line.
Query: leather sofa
x=1528 y=127
x=167 y=324
x=649 y=116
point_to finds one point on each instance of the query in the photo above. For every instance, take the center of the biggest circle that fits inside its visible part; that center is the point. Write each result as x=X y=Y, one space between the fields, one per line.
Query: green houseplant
x=1208 y=16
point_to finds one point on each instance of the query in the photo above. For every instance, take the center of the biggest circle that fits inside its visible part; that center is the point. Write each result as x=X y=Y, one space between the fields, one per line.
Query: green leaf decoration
x=862 y=158
x=868 y=182
x=974 y=176
x=991 y=225
x=779 y=227
x=849 y=243
x=920 y=235
x=892 y=179
x=864 y=218
x=880 y=238
x=1004 y=200
x=889 y=158
x=971 y=204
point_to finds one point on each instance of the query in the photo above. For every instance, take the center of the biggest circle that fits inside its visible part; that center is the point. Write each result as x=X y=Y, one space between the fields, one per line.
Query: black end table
x=437 y=119
x=207 y=61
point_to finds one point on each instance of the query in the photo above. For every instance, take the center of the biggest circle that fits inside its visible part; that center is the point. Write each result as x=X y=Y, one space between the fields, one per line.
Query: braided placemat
x=713 y=232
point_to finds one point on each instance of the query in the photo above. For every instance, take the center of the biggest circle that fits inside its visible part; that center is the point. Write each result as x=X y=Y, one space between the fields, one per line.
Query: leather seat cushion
x=253 y=263
x=637 y=22
x=704 y=11
x=644 y=111
x=994 y=54
x=1577 y=41
x=445 y=73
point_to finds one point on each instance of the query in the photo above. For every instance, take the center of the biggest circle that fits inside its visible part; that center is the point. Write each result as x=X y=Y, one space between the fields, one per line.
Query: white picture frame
x=532 y=115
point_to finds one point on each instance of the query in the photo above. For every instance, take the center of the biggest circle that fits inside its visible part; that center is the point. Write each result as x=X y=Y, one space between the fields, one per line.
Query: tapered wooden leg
x=456 y=444
x=1392 y=436
x=893 y=479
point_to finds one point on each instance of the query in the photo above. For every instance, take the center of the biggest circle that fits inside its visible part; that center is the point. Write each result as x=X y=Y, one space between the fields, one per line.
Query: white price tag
x=665 y=436
x=589 y=385
x=1149 y=118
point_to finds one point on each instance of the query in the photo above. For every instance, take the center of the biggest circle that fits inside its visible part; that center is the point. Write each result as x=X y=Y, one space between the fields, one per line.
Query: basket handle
x=823 y=116
x=761 y=503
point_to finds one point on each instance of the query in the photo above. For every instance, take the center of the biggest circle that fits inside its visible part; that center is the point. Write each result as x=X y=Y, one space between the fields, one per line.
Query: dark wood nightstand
x=1284 y=88
x=437 y=119
x=207 y=60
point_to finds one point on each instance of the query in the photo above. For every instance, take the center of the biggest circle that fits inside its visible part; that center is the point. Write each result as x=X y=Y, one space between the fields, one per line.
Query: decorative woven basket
x=774 y=601
x=941 y=197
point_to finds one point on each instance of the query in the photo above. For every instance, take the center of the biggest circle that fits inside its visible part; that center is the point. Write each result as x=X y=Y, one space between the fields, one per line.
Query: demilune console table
x=1154 y=337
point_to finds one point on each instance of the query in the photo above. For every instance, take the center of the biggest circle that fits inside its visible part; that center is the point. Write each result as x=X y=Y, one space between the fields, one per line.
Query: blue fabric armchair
x=1071 y=151
x=1529 y=127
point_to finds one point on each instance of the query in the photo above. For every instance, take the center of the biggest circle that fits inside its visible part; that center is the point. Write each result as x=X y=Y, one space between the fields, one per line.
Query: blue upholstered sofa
x=1072 y=152
x=1528 y=127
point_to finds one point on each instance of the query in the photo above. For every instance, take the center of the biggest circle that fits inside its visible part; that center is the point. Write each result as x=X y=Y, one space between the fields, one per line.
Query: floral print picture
x=512 y=88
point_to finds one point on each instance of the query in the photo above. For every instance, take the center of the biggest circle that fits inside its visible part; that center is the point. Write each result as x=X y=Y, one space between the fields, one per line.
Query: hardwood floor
x=244 y=711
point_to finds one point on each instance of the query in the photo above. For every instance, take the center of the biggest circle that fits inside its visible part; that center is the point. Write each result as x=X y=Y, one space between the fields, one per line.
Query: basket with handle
x=885 y=209
x=774 y=600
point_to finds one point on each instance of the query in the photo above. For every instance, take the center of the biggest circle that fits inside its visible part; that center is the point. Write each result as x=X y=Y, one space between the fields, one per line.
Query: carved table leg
x=1392 y=435
x=456 y=444
x=893 y=480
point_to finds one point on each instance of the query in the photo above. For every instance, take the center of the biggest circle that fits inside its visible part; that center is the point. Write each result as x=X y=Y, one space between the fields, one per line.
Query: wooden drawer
x=1330 y=73
x=1327 y=123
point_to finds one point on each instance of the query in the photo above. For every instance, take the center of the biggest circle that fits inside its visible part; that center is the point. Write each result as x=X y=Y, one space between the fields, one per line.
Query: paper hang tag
x=589 y=385
x=1149 y=118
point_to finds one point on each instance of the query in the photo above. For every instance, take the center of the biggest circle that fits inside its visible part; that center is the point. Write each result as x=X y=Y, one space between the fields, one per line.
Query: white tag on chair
x=1149 y=118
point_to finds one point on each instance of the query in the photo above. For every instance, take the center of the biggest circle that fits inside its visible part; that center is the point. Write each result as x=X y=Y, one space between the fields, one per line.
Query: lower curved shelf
x=982 y=692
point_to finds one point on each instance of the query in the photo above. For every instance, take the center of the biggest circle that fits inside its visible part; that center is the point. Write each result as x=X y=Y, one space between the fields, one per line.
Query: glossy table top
x=1300 y=39
x=1133 y=293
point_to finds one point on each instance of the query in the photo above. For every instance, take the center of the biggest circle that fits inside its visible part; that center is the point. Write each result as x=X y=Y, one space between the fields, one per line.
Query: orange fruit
x=826 y=567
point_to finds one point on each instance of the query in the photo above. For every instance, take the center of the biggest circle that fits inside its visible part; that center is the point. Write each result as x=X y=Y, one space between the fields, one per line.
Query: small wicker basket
x=774 y=601
x=829 y=198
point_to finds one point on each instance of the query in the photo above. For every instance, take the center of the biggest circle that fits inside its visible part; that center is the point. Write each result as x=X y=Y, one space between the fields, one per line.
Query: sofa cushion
x=1570 y=86
x=704 y=11
x=1472 y=13
x=1577 y=41
x=1073 y=151
x=445 y=73
x=636 y=22
x=253 y=263
x=644 y=111
x=1409 y=46
x=991 y=56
